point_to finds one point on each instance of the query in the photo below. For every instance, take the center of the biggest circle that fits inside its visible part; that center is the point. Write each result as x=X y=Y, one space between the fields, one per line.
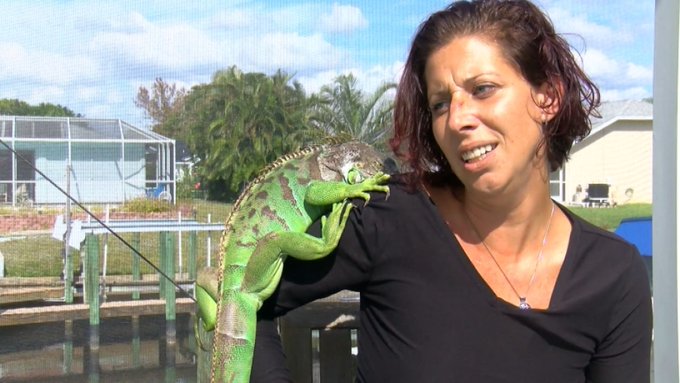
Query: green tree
x=342 y=109
x=14 y=107
x=241 y=122
x=159 y=104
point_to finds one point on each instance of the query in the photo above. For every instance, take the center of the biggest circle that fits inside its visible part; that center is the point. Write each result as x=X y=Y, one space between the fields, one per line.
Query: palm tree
x=342 y=109
x=251 y=120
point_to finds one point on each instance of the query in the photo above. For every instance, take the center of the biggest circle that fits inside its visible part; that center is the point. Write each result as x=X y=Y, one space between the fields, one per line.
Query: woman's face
x=485 y=116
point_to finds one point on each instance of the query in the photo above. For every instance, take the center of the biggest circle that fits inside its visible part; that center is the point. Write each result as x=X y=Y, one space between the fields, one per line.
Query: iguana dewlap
x=269 y=222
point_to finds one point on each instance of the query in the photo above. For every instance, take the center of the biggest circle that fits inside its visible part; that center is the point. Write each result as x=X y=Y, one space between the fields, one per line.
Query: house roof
x=622 y=110
x=28 y=128
x=613 y=111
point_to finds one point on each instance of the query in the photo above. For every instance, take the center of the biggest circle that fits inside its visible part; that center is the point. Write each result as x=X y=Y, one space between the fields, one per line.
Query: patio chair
x=598 y=195
x=159 y=192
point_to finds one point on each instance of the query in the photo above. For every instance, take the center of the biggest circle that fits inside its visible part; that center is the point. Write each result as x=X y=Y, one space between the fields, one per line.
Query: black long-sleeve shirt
x=427 y=315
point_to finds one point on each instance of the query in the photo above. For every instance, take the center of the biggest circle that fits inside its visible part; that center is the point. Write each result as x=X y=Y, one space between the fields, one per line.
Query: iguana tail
x=236 y=334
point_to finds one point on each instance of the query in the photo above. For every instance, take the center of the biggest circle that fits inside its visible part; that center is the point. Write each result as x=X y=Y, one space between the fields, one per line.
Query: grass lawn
x=41 y=255
x=609 y=217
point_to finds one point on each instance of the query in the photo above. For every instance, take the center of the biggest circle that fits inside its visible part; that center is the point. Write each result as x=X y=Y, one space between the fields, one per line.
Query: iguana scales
x=267 y=223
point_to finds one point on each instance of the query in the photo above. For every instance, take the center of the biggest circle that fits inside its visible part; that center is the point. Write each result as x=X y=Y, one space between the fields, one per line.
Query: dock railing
x=319 y=340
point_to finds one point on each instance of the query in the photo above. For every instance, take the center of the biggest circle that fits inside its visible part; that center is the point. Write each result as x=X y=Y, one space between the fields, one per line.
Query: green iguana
x=267 y=223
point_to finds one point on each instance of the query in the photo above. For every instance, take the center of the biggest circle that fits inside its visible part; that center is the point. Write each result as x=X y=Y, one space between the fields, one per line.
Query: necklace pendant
x=523 y=305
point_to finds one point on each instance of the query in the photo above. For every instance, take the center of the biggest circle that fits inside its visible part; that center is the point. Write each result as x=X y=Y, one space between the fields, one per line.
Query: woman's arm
x=269 y=361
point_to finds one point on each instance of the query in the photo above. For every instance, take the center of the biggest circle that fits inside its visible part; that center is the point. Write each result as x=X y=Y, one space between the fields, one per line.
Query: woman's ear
x=548 y=98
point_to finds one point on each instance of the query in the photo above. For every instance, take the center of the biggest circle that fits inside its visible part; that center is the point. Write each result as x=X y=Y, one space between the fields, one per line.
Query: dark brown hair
x=528 y=40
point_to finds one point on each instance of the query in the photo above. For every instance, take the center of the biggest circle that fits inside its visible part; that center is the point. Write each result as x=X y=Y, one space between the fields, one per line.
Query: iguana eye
x=354 y=176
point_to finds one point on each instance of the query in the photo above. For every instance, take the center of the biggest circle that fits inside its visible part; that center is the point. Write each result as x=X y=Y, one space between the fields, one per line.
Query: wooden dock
x=18 y=290
x=27 y=294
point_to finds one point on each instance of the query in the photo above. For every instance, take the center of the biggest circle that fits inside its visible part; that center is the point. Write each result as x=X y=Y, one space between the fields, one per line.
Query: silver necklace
x=523 y=305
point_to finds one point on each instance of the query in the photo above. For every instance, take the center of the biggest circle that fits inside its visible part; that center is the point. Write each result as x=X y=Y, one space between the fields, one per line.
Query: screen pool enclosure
x=96 y=160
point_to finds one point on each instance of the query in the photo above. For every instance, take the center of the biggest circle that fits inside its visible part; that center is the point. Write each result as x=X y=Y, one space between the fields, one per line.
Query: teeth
x=477 y=153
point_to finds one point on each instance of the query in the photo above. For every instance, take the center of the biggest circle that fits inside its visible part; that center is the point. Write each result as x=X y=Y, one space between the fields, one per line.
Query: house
x=97 y=160
x=614 y=159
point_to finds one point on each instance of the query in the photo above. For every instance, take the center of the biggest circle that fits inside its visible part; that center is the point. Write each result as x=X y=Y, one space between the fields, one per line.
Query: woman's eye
x=483 y=90
x=439 y=107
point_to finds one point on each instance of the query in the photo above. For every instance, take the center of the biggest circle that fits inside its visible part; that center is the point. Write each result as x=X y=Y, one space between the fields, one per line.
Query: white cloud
x=20 y=63
x=639 y=73
x=378 y=75
x=181 y=48
x=88 y=93
x=313 y=82
x=175 y=47
x=342 y=19
x=123 y=22
x=368 y=80
x=633 y=93
x=617 y=77
x=295 y=52
x=593 y=33
x=597 y=64
x=290 y=18
x=40 y=94
x=235 y=19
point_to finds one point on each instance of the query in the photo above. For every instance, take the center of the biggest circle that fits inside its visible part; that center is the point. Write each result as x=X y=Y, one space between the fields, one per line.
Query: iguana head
x=351 y=161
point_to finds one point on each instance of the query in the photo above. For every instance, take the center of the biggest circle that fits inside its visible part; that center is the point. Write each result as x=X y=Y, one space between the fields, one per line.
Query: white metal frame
x=666 y=222
x=166 y=148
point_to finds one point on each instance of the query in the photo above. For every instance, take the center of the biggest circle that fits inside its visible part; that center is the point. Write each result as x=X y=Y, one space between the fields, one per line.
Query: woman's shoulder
x=597 y=249
x=402 y=195
x=403 y=204
x=601 y=264
x=591 y=234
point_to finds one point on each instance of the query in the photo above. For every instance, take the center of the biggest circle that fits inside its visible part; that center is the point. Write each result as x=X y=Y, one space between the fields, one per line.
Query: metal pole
x=666 y=190
x=136 y=272
x=179 y=242
x=209 y=245
x=162 y=250
x=191 y=266
x=68 y=261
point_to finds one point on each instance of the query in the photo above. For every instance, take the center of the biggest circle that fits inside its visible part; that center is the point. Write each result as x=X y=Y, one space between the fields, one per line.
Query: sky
x=92 y=56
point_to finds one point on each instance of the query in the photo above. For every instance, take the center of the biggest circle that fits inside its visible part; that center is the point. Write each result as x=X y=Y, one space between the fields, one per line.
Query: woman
x=469 y=272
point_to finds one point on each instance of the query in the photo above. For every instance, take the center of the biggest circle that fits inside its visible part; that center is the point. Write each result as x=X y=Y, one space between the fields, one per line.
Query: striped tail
x=234 y=338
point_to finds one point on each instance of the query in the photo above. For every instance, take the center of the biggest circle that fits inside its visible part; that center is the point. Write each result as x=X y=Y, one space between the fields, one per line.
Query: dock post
x=162 y=251
x=68 y=347
x=136 y=343
x=92 y=293
x=68 y=274
x=169 y=292
x=136 y=272
x=191 y=266
x=92 y=277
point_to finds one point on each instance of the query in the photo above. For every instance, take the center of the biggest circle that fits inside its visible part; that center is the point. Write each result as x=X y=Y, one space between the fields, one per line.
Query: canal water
x=130 y=350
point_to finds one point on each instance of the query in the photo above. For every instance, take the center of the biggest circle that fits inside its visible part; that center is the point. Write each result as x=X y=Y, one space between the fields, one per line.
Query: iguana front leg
x=325 y=193
x=264 y=269
x=232 y=363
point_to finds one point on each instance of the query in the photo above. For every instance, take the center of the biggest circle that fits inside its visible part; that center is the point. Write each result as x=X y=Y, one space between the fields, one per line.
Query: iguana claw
x=376 y=183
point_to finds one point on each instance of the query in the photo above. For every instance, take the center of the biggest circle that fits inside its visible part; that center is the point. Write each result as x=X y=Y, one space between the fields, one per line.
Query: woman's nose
x=461 y=112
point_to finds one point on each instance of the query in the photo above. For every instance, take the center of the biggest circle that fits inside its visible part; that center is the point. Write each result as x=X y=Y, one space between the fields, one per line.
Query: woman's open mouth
x=477 y=154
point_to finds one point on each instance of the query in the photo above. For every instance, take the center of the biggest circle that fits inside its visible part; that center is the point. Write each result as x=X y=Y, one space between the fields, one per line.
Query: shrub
x=146 y=205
